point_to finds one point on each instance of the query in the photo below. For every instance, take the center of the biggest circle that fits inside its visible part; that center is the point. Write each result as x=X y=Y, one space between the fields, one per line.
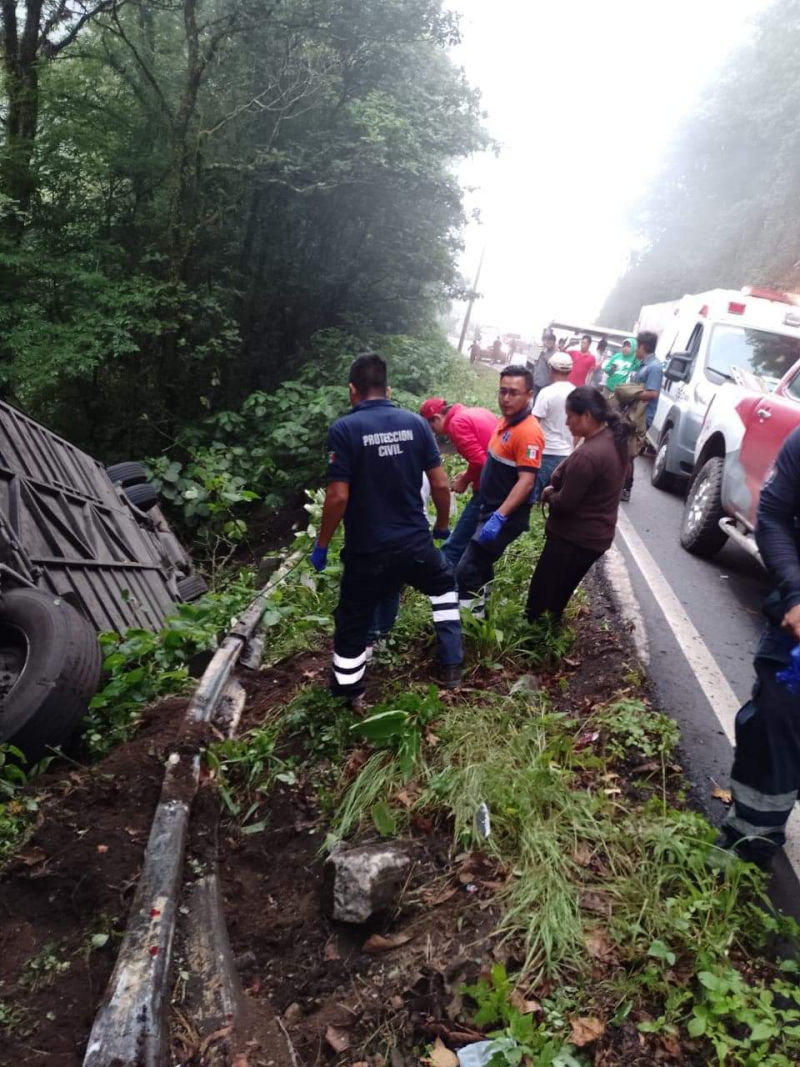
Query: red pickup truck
x=744 y=427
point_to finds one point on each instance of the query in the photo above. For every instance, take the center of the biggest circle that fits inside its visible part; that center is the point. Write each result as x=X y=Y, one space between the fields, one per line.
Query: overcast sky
x=583 y=96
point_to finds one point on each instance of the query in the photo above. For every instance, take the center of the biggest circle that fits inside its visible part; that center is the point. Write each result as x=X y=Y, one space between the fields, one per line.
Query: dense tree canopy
x=724 y=210
x=202 y=185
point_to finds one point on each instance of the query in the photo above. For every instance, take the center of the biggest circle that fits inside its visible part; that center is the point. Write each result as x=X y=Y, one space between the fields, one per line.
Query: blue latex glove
x=791 y=676
x=491 y=528
x=441 y=535
x=318 y=557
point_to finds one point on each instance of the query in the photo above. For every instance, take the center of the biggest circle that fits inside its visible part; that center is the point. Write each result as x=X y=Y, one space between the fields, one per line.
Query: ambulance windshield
x=736 y=348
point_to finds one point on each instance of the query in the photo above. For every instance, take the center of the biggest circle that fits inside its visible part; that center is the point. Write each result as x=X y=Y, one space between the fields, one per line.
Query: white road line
x=716 y=688
x=617 y=573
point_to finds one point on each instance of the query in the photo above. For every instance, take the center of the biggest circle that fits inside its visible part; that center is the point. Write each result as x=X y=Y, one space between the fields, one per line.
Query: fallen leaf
x=433 y=899
x=612 y=791
x=582 y=855
x=647 y=768
x=408 y=796
x=570 y=662
x=431 y=739
x=378 y=943
x=586 y=739
x=523 y=1006
x=441 y=1056
x=32 y=857
x=594 y=902
x=724 y=795
x=598 y=945
x=339 y=1040
x=331 y=950
x=422 y=824
x=102 y=848
x=586 y=1030
x=355 y=761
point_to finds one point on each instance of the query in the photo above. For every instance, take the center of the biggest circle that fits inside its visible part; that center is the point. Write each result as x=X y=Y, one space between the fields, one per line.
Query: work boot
x=625 y=495
x=449 y=675
x=356 y=704
x=756 y=850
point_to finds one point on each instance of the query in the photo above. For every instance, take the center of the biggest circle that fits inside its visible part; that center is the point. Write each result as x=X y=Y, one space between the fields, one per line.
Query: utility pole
x=471 y=301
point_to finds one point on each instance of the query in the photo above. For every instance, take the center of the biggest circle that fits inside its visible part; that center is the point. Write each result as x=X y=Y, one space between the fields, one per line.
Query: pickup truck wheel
x=700 y=531
x=127 y=473
x=660 y=477
x=49 y=669
x=143 y=497
x=192 y=587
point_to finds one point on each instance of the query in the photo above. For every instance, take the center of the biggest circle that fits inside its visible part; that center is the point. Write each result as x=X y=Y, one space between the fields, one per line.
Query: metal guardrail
x=131 y=1028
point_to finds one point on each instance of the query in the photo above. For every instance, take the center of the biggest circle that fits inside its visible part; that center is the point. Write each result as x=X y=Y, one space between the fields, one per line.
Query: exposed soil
x=76 y=877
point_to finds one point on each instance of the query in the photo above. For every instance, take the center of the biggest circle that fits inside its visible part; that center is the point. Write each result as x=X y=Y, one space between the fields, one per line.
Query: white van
x=704 y=340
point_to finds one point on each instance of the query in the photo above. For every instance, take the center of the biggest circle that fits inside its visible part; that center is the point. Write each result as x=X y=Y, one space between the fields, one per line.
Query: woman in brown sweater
x=583 y=499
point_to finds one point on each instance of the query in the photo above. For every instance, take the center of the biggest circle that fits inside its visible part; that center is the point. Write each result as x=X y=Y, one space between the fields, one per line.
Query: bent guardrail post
x=131 y=1028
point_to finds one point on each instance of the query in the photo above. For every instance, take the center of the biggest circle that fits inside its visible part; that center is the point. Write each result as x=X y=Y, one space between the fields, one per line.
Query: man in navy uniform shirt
x=765 y=778
x=377 y=456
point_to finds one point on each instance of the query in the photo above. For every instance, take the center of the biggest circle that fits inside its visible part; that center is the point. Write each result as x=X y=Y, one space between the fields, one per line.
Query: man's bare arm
x=440 y=494
x=336 y=497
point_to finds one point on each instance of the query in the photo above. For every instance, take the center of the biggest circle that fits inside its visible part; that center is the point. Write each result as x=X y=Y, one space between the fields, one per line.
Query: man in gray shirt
x=540 y=369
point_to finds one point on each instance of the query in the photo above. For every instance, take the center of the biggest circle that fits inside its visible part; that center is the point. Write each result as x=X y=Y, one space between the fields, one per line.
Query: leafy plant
x=518 y=1038
x=246 y=769
x=143 y=665
x=17 y=806
x=633 y=729
x=398 y=725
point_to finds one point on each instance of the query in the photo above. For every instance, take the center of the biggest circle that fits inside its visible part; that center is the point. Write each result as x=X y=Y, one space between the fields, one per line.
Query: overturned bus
x=82 y=549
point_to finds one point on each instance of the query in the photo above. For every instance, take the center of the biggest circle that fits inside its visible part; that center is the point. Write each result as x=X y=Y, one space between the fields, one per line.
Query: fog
x=583 y=98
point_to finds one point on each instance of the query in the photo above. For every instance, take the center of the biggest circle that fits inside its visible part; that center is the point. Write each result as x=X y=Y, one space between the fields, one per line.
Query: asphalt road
x=701 y=619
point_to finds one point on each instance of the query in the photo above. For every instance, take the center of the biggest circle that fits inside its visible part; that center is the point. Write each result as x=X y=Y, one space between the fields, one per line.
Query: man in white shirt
x=550 y=408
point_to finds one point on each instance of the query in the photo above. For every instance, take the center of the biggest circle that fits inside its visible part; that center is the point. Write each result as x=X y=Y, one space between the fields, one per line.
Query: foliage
x=246 y=768
x=721 y=212
x=518 y=1038
x=203 y=195
x=399 y=724
x=633 y=729
x=17 y=806
x=142 y=665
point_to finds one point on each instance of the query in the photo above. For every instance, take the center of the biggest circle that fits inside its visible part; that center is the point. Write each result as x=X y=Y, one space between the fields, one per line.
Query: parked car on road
x=82 y=549
x=705 y=340
x=744 y=426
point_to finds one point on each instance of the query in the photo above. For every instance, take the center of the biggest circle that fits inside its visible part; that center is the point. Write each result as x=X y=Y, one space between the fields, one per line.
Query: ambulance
x=704 y=340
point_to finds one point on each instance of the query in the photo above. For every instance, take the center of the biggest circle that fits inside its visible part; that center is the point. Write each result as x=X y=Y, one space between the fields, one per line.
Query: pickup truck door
x=772 y=419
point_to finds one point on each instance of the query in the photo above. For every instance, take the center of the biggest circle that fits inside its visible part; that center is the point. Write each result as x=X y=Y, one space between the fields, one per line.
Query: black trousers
x=367 y=580
x=765 y=777
x=558 y=573
x=476 y=567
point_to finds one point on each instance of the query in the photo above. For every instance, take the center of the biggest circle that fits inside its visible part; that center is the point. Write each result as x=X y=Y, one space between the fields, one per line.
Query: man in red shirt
x=470 y=430
x=583 y=362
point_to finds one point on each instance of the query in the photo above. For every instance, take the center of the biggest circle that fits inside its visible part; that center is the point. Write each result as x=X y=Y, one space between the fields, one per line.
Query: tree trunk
x=21 y=84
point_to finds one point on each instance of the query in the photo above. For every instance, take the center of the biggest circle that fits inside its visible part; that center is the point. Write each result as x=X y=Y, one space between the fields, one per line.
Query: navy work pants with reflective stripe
x=766 y=769
x=366 y=581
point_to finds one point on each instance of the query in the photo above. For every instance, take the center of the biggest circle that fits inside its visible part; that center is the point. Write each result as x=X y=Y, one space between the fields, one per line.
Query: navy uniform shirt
x=778 y=521
x=381 y=451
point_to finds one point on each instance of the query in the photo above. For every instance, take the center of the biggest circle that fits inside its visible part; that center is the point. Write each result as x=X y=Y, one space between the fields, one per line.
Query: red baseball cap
x=432 y=406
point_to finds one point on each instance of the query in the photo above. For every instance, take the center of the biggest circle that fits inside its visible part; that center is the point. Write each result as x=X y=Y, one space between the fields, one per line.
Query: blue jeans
x=455 y=545
x=548 y=465
x=383 y=617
